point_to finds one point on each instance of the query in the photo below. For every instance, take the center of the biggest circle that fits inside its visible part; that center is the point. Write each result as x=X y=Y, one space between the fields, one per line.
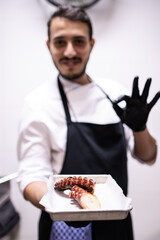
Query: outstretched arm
x=34 y=192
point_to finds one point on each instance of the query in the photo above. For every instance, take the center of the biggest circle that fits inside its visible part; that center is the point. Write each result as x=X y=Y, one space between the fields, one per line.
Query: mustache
x=70 y=59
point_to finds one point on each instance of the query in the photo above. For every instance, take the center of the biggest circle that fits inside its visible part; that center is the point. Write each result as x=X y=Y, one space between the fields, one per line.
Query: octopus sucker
x=68 y=183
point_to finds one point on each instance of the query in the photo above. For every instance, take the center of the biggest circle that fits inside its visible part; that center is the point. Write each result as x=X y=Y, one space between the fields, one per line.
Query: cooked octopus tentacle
x=84 y=198
x=68 y=183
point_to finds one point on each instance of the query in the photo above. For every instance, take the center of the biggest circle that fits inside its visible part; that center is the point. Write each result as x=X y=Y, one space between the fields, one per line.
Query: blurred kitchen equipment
x=9 y=217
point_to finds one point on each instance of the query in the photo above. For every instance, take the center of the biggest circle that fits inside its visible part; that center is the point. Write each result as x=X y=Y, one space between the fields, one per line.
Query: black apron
x=95 y=149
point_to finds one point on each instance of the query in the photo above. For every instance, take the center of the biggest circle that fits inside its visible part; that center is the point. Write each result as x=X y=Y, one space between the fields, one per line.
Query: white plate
x=114 y=205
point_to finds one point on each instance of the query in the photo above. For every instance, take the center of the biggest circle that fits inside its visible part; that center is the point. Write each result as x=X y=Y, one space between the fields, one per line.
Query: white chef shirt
x=43 y=130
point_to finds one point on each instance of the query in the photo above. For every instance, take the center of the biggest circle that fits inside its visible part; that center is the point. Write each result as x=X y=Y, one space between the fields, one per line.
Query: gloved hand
x=136 y=112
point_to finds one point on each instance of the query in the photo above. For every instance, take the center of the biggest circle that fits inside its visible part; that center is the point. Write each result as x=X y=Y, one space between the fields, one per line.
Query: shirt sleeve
x=33 y=149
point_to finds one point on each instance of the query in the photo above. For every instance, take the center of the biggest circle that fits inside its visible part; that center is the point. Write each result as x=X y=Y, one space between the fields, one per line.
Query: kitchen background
x=127 y=36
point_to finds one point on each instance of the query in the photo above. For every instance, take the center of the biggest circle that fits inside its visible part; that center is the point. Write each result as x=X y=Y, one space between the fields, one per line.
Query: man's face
x=70 y=47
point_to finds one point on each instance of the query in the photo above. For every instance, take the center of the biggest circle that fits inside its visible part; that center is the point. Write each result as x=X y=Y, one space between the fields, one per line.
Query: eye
x=59 y=43
x=79 y=42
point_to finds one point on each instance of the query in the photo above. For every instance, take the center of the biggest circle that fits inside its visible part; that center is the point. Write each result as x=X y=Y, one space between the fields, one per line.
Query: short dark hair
x=73 y=14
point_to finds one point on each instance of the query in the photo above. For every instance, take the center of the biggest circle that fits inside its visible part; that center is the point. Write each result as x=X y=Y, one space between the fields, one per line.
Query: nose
x=69 y=50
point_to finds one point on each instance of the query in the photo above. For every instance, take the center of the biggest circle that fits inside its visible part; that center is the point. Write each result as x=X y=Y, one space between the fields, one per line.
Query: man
x=74 y=125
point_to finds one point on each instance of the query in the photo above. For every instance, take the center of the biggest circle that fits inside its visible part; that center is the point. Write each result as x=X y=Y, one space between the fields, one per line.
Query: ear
x=92 y=43
x=48 y=44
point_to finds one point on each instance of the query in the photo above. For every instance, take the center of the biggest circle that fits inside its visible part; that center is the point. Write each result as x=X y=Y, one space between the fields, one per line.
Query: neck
x=84 y=79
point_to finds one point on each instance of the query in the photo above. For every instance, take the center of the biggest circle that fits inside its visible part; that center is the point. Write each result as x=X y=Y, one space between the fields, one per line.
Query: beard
x=72 y=77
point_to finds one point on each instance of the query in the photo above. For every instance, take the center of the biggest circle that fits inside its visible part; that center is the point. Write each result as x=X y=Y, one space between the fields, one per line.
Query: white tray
x=114 y=205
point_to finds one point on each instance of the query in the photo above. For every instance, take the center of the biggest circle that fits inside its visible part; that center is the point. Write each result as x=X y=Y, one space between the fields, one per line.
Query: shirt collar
x=70 y=85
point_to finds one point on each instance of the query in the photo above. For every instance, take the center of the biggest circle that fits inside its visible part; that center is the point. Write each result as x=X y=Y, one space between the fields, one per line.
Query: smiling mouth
x=70 y=62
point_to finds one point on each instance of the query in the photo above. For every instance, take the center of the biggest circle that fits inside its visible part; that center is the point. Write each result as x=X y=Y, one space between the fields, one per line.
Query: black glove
x=136 y=112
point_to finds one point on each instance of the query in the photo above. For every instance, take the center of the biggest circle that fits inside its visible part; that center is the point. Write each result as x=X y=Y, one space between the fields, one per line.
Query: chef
x=76 y=125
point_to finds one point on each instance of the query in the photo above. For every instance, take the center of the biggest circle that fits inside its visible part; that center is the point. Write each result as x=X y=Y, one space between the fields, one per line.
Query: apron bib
x=98 y=149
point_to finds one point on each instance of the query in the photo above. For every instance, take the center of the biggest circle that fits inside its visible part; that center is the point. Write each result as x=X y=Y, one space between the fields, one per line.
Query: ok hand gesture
x=137 y=110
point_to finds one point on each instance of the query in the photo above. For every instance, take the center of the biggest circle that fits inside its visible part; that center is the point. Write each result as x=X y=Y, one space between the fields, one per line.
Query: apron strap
x=65 y=101
x=107 y=96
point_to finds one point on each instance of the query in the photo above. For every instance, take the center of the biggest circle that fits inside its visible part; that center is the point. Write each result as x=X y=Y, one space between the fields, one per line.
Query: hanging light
x=75 y=3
